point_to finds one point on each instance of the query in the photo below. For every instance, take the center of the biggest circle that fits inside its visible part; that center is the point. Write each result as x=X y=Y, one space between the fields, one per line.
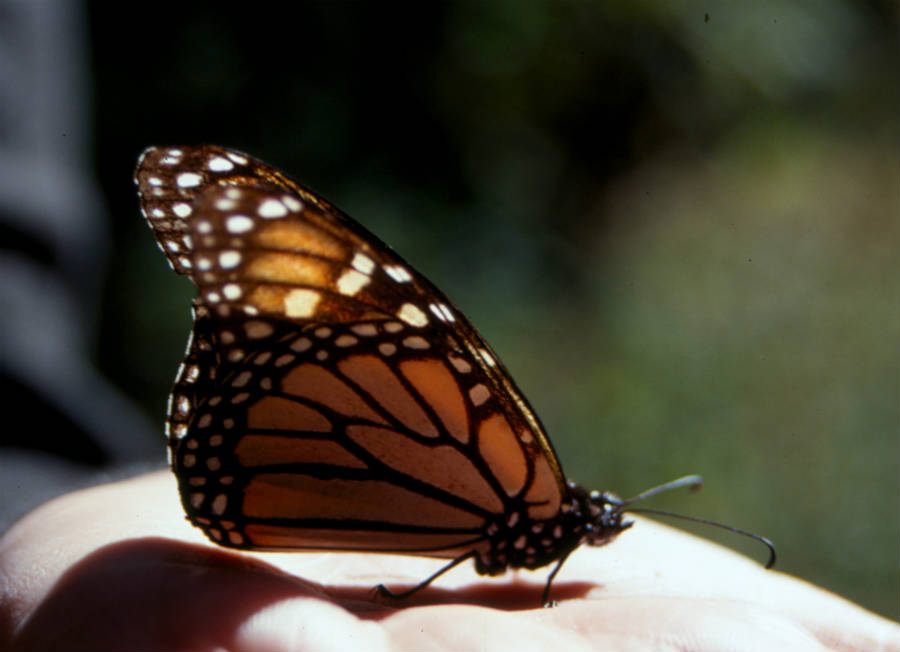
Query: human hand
x=118 y=567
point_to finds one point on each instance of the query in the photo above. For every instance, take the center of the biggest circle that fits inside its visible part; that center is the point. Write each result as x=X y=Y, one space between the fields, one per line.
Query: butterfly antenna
x=694 y=482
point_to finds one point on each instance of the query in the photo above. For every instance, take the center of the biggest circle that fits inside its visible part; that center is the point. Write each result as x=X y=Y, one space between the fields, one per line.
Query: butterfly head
x=601 y=514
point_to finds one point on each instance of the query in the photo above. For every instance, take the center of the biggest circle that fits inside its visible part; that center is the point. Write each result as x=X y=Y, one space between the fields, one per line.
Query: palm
x=121 y=563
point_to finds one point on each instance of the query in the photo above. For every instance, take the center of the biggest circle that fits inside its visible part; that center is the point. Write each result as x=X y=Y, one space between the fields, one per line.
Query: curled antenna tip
x=771 y=546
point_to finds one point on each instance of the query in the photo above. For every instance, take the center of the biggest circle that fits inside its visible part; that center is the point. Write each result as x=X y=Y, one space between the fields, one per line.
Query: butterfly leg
x=545 y=597
x=381 y=589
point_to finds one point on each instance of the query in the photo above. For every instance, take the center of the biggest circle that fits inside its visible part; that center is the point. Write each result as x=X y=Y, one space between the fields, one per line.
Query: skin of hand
x=117 y=566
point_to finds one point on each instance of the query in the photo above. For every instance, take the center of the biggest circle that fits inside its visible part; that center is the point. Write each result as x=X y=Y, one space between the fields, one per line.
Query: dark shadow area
x=504 y=592
x=162 y=594
x=155 y=593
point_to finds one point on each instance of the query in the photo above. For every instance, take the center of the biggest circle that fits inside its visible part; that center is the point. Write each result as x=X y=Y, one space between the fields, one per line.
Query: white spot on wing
x=366 y=330
x=292 y=203
x=272 y=208
x=220 y=502
x=181 y=209
x=183 y=404
x=487 y=357
x=231 y=291
x=301 y=344
x=189 y=179
x=442 y=311
x=241 y=379
x=301 y=302
x=229 y=259
x=398 y=273
x=479 y=394
x=412 y=315
x=462 y=366
x=220 y=164
x=351 y=282
x=416 y=342
x=238 y=223
x=363 y=263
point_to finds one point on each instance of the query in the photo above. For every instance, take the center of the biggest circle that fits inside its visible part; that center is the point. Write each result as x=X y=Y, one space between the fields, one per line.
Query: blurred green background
x=677 y=223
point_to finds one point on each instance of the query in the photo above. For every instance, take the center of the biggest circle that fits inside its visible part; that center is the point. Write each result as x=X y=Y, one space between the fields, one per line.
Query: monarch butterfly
x=332 y=398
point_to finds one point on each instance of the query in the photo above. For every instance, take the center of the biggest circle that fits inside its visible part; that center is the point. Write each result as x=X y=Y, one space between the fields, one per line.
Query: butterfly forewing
x=331 y=397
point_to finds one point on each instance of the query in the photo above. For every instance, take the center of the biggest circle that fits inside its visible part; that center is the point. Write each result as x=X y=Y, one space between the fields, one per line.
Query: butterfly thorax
x=591 y=517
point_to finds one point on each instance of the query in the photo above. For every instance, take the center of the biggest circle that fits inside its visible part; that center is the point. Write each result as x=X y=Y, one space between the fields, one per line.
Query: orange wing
x=331 y=397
